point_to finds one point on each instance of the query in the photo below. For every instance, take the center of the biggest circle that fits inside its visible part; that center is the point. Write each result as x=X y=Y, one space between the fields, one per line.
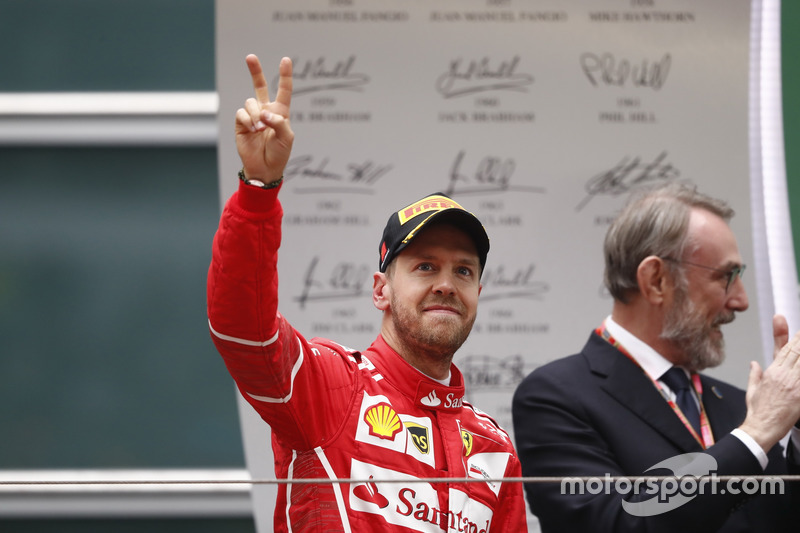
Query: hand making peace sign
x=264 y=136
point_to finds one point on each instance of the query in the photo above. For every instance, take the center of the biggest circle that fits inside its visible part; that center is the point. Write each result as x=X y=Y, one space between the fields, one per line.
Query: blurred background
x=105 y=357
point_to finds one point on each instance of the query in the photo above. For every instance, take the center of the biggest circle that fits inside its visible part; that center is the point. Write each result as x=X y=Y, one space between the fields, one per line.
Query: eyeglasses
x=732 y=274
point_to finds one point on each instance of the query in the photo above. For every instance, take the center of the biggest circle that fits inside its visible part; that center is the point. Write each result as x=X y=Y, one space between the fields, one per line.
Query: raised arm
x=264 y=135
x=275 y=369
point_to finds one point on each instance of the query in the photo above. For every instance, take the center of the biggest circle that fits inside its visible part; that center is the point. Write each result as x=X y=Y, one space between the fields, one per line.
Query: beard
x=686 y=327
x=431 y=336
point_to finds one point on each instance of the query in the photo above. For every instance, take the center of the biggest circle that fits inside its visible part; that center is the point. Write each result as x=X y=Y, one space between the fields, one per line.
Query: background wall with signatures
x=541 y=126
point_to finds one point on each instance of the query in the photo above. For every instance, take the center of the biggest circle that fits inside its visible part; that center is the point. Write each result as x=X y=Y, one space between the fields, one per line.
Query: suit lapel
x=626 y=382
x=722 y=408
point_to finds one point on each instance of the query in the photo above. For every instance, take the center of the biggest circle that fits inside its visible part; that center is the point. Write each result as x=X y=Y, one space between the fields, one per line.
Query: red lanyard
x=707 y=439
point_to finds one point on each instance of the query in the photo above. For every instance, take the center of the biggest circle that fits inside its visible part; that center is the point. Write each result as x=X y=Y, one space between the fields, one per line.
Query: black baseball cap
x=406 y=223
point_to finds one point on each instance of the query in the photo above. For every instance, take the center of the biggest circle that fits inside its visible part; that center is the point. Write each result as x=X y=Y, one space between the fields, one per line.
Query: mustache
x=724 y=319
x=446 y=302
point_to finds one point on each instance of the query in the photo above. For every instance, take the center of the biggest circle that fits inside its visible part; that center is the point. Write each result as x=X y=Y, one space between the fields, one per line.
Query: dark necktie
x=675 y=378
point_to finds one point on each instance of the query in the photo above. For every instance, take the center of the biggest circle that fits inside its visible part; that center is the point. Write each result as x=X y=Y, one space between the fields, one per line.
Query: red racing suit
x=338 y=413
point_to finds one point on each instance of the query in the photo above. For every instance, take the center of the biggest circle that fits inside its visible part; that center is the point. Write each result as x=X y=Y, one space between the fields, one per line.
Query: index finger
x=284 y=95
x=259 y=81
x=780 y=331
x=790 y=353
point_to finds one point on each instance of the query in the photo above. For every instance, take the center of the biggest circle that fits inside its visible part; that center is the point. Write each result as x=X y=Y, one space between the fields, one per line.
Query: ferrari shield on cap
x=410 y=220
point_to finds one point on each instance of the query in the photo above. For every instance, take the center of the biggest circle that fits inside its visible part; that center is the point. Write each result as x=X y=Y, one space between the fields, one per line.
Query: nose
x=737 y=296
x=443 y=284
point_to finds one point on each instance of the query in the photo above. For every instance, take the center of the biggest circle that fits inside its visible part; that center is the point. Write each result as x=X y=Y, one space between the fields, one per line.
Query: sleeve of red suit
x=286 y=379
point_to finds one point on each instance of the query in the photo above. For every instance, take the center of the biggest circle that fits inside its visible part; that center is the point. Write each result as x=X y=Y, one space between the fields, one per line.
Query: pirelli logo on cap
x=431 y=203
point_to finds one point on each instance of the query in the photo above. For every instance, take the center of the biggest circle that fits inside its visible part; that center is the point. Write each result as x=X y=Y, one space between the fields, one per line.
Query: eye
x=464 y=271
x=426 y=267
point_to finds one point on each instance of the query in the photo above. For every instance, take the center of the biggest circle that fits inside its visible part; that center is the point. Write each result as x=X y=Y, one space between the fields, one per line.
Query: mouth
x=442 y=309
x=722 y=320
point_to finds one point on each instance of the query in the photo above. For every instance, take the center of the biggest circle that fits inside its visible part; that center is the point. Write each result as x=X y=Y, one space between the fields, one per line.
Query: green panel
x=102 y=45
x=790 y=45
x=106 y=355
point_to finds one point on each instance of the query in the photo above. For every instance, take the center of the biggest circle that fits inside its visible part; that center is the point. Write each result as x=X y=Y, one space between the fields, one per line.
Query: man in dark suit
x=673 y=267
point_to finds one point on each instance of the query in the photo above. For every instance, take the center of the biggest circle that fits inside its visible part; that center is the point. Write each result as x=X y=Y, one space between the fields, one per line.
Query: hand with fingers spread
x=264 y=136
x=773 y=394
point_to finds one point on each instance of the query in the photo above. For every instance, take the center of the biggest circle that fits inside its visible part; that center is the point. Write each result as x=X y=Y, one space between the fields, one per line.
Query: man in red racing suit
x=422 y=458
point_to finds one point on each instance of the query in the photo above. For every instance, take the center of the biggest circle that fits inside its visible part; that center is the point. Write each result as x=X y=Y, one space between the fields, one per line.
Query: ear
x=380 y=291
x=654 y=279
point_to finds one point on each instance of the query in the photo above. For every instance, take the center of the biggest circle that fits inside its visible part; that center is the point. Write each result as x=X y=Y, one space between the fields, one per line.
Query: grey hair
x=654 y=222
